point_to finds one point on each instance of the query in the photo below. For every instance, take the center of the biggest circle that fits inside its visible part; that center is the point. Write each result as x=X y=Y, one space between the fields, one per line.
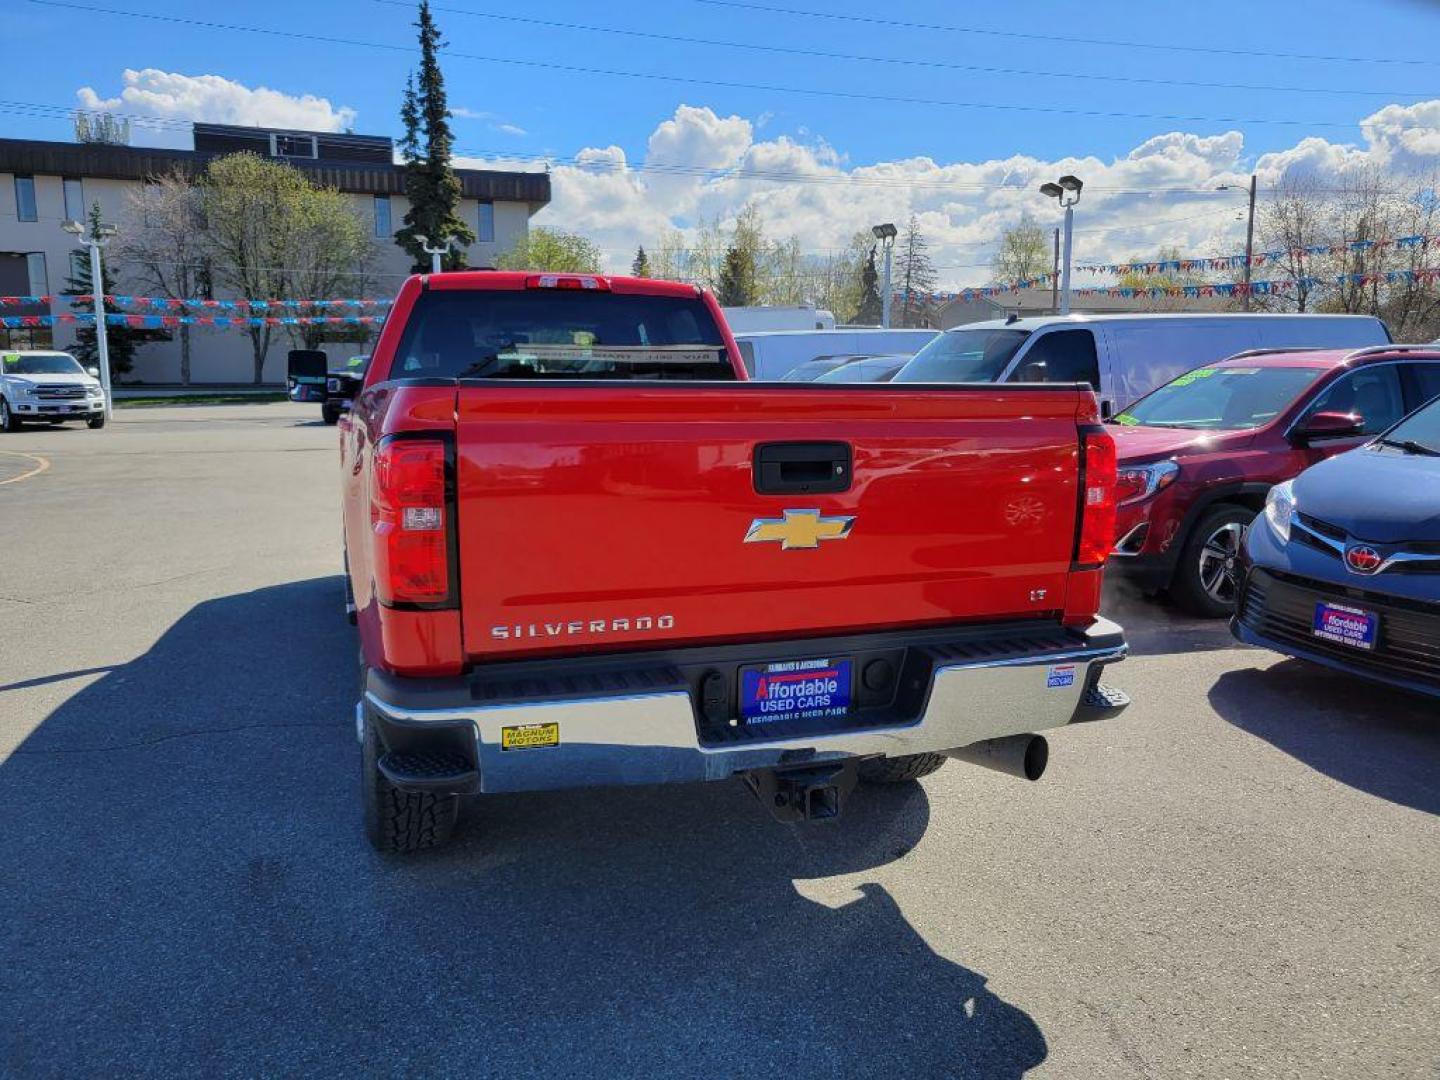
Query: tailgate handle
x=802 y=468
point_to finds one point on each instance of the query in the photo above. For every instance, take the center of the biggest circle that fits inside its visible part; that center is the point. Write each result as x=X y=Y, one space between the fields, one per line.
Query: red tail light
x=408 y=516
x=1097 y=507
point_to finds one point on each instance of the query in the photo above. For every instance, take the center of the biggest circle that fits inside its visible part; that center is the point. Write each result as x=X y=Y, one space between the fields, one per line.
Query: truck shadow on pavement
x=187 y=891
x=1381 y=741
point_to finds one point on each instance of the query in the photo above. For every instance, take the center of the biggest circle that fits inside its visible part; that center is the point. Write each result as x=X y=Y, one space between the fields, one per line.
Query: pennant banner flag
x=1256 y=288
x=1260 y=258
x=170 y=303
x=165 y=322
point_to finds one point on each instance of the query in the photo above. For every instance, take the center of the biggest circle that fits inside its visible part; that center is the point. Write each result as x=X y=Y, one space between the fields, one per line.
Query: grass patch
x=200 y=399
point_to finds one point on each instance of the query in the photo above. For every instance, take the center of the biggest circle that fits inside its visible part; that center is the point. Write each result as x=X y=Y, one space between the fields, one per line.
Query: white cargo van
x=768 y=355
x=1123 y=356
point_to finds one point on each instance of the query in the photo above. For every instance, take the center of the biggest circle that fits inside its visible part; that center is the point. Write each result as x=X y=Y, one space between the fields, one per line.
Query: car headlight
x=332 y=386
x=24 y=389
x=1280 y=509
x=95 y=391
x=1136 y=482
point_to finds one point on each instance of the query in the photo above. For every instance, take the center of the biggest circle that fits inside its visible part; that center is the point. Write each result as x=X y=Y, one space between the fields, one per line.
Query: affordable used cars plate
x=795 y=690
x=1346 y=625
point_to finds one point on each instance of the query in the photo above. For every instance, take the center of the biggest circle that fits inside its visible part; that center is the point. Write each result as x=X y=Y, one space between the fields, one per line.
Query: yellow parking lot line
x=41 y=464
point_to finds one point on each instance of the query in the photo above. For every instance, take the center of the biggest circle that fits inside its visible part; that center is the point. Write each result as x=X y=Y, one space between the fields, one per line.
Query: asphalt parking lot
x=1241 y=877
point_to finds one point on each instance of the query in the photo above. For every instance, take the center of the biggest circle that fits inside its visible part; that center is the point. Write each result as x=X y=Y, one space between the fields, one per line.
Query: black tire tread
x=900 y=770
x=402 y=822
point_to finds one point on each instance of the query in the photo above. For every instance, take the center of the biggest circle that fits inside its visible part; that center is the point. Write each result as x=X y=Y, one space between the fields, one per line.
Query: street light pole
x=434 y=252
x=886 y=235
x=1067 y=191
x=104 y=234
x=1250 y=242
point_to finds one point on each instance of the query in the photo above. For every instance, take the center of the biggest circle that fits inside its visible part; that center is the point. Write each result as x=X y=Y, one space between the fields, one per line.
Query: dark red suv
x=1198 y=455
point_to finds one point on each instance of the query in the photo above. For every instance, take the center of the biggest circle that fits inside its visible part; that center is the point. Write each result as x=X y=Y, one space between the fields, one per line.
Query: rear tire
x=330 y=412
x=400 y=822
x=900 y=770
x=95 y=423
x=8 y=420
x=1205 y=583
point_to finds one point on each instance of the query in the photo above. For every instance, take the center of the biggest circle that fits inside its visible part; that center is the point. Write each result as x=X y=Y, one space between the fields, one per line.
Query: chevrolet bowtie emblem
x=799 y=529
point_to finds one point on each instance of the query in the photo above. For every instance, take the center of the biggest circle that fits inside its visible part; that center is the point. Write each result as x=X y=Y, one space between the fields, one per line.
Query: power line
x=690 y=80
x=904 y=61
x=1060 y=38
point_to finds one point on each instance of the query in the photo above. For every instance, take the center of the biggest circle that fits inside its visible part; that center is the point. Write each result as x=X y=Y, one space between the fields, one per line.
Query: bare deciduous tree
x=163 y=244
x=1026 y=252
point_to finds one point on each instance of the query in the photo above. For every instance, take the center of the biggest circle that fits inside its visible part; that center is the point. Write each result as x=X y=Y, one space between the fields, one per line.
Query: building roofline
x=112 y=162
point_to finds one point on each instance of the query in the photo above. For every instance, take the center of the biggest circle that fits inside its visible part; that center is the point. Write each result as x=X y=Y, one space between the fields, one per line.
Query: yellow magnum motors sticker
x=529 y=736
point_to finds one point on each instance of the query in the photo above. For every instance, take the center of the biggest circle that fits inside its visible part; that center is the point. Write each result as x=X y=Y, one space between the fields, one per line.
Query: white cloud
x=962 y=206
x=170 y=95
x=493 y=122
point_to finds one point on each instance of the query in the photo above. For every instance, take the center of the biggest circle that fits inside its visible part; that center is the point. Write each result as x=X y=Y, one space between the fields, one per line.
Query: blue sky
x=517 y=109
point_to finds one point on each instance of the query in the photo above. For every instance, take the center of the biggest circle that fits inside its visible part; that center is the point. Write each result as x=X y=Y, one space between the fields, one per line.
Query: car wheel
x=1205 y=580
x=330 y=412
x=8 y=420
x=96 y=423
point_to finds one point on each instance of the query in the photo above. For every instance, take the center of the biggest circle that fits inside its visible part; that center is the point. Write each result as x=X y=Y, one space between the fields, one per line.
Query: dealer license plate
x=1346 y=625
x=795 y=690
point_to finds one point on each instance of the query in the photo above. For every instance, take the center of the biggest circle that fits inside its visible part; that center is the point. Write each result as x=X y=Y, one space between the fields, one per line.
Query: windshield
x=1226 y=398
x=964 y=356
x=1422 y=428
x=811 y=370
x=559 y=334
x=877 y=369
x=45 y=364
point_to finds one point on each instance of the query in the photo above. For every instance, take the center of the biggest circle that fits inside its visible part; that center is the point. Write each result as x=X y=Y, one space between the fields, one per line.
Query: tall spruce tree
x=914 y=276
x=737 y=279
x=641 y=266
x=430 y=181
x=121 y=341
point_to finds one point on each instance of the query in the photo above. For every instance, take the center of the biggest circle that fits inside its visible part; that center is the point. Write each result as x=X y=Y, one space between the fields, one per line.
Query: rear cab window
x=560 y=334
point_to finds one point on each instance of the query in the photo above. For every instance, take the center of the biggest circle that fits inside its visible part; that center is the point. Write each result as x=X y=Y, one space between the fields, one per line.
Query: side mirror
x=95 y=371
x=1329 y=425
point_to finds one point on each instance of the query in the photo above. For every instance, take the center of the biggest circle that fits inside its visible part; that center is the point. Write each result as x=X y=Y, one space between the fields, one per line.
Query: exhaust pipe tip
x=1025 y=756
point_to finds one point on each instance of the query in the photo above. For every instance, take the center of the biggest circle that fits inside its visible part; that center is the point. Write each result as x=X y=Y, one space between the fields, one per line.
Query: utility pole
x=1055 y=279
x=104 y=234
x=1249 y=241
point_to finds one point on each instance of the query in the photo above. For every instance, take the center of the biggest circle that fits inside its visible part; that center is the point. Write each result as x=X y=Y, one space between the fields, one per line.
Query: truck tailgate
x=602 y=517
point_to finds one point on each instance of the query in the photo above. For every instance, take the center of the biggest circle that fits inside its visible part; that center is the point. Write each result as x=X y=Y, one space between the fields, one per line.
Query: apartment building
x=43 y=184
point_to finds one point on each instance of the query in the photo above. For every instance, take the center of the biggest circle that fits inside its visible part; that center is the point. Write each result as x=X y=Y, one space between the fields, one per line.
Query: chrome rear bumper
x=651 y=738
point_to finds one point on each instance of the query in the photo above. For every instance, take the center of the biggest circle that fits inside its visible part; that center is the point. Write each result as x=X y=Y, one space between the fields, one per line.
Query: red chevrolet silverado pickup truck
x=583 y=549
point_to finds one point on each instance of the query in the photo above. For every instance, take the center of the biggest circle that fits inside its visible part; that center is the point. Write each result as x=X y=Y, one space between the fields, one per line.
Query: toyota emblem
x=1362 y=558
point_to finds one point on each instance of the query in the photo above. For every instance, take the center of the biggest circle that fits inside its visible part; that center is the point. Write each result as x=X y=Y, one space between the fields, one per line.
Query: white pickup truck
x=48 y=387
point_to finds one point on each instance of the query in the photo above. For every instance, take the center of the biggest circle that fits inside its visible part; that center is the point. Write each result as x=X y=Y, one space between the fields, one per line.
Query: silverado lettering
x=592 y=626
x=524 y=442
